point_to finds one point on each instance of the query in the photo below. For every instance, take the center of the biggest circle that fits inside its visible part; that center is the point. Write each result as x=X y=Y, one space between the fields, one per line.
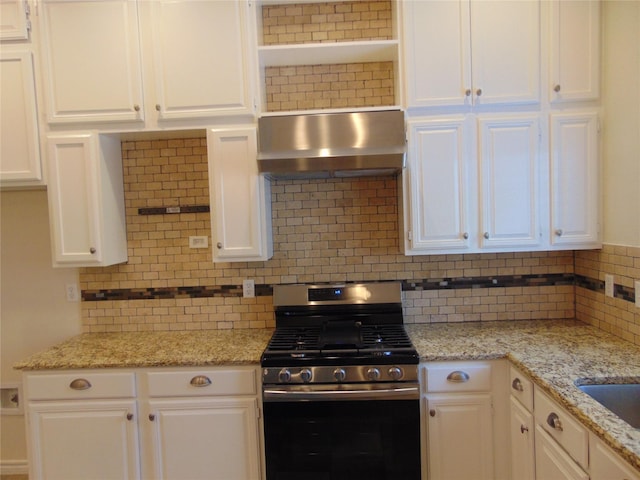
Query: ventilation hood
x=323 y=145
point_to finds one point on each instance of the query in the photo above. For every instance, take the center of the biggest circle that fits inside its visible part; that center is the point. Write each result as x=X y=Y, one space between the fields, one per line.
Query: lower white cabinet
x=604 y=464
x=552 y=462
x=148 y=423
x=522 y=442
x=86 y=200
x=464 y=438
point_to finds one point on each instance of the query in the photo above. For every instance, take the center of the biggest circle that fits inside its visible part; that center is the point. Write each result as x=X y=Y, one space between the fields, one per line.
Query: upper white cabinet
x=14 y=20
x=86 y=200
x=574 y=179
x=240 y=197
x=575 y=50
x=463 y=53
x=509 y=158
x=20 y=161
x=91 y=60
x=201 y=58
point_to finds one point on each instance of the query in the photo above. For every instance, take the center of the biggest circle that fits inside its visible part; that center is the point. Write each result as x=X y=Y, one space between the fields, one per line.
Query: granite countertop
x=553 y=353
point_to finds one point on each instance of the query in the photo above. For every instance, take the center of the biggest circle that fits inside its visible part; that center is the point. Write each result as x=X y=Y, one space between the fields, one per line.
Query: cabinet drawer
x=521 y=388
x=202 y=382
x=458 y=377
x=570 y=434
x=80 y=384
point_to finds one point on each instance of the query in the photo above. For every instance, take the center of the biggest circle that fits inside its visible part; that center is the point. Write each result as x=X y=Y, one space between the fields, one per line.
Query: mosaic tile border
x=619 y=291
x=407 y=286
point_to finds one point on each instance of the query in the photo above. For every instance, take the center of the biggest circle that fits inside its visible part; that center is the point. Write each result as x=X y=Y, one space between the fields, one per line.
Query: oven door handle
x=292 y=394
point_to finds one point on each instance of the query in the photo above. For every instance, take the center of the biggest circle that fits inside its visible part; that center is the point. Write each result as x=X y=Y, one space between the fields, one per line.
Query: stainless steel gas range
x=340 y=385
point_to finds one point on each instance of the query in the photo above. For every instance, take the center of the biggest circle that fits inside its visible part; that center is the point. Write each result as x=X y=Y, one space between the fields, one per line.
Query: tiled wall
x=617 y=314
x=311 y=86
x=323 y=230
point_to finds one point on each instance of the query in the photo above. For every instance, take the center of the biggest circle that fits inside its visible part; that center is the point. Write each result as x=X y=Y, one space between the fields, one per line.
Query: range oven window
x=343 y=440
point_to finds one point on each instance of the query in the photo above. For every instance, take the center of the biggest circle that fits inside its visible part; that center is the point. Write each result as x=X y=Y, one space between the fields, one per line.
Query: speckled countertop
x=553 y=353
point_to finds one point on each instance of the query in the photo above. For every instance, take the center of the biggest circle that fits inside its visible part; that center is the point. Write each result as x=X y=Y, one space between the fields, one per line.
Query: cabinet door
x=460 y=437
x=20 y=163
x=438 y=52
x=80 y=440
x=574 y=179
x=201 y=58
x=522 y=444
x=438 y=184
x=14 y=24
x=509 y=170
x=240 y=197
x=91 y=57
x=604 y=464
x=575 y=50
x=86 y=200
x=205 y=438
x=505 y=40
x=552 y=462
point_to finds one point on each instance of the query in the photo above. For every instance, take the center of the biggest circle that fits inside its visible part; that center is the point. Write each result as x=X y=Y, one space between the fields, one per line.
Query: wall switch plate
x=637 y=289
x=73 y=294
x=248 y=288
x=608 y=285
x=198 y=242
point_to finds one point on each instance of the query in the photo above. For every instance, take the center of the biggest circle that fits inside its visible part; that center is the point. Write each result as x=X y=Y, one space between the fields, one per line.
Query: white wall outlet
x=637 y=289
x=248 y=288
x=608 y=285
x=198 y=241
x=73 y=294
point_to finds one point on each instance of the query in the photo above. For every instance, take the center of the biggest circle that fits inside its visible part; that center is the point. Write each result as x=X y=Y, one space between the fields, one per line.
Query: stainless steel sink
x=622 y=399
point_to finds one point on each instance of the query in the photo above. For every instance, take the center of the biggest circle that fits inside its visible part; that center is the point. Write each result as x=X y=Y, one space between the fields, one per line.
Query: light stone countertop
x=553 y=353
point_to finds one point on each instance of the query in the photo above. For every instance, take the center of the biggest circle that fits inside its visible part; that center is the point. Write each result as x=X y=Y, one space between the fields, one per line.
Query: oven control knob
x=339 y=374
x=395 y=373
x=373 y=373
x=284 y=375
x=306 y=375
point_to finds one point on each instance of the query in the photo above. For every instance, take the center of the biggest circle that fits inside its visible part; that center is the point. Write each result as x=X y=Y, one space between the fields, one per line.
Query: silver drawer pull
x=200 y=381
x=80 y=384
x=517 y=385
x=554 y=421
x=458 y=376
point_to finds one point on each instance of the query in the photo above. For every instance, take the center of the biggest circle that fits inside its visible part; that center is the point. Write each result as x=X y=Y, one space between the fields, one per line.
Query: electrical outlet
x=637 y=289
x=73 y=295
x=248 y=288
x=198 y=242
x=608 y=285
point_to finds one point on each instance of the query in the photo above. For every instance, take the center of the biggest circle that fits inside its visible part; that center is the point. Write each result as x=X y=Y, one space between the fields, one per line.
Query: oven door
x=343 y=432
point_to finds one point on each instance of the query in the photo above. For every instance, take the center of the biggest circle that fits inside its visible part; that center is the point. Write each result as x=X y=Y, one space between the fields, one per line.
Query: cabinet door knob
x=558 y=232
x=92 y=250
x=458 y=376
x=517 y=385
x=432 y=412
x=129 y=416
x=467 y=92
x=219 y=245
x=158 y=107
x=152 y=417
x=486 y=235
x=554 y=421
x=136 y=107
x=556 y=88
x=80 y=384
x=200 y=381
x=465 y=235
x=478 y=92
x=523 y=429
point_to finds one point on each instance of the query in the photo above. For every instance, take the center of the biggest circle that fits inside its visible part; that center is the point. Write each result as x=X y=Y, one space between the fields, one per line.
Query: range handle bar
x=341 y=392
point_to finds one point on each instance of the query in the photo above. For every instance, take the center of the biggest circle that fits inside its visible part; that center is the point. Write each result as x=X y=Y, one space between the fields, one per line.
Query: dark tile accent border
x=173 y=210
x=595 y=285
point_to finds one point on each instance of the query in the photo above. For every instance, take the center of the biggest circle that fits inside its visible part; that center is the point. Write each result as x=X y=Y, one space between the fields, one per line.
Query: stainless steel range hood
x=332 y=144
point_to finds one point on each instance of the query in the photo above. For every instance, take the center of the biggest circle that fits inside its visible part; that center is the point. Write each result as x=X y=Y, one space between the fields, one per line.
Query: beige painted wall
x=34 y=313
x=621 y=122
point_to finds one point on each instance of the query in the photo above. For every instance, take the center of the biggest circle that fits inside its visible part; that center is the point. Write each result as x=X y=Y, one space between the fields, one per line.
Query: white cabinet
x=604 y=464
x=509 y=158
x=463 y=438
x=522 y=427
x=472 y=53
x=437 y=184
x=91 y=60
x=575 y=50
x=552 y=462
x=14 y=21
x=20 y=160
x=575 y=199
x=86 y=200
x=472 y=184
x=201 y=58
x=204 y=424
x=240 y=197
x=82 y=425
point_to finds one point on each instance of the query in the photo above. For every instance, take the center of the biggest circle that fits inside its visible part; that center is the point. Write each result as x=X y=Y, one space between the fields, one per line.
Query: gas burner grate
x=388 y=336
x=295 y=338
